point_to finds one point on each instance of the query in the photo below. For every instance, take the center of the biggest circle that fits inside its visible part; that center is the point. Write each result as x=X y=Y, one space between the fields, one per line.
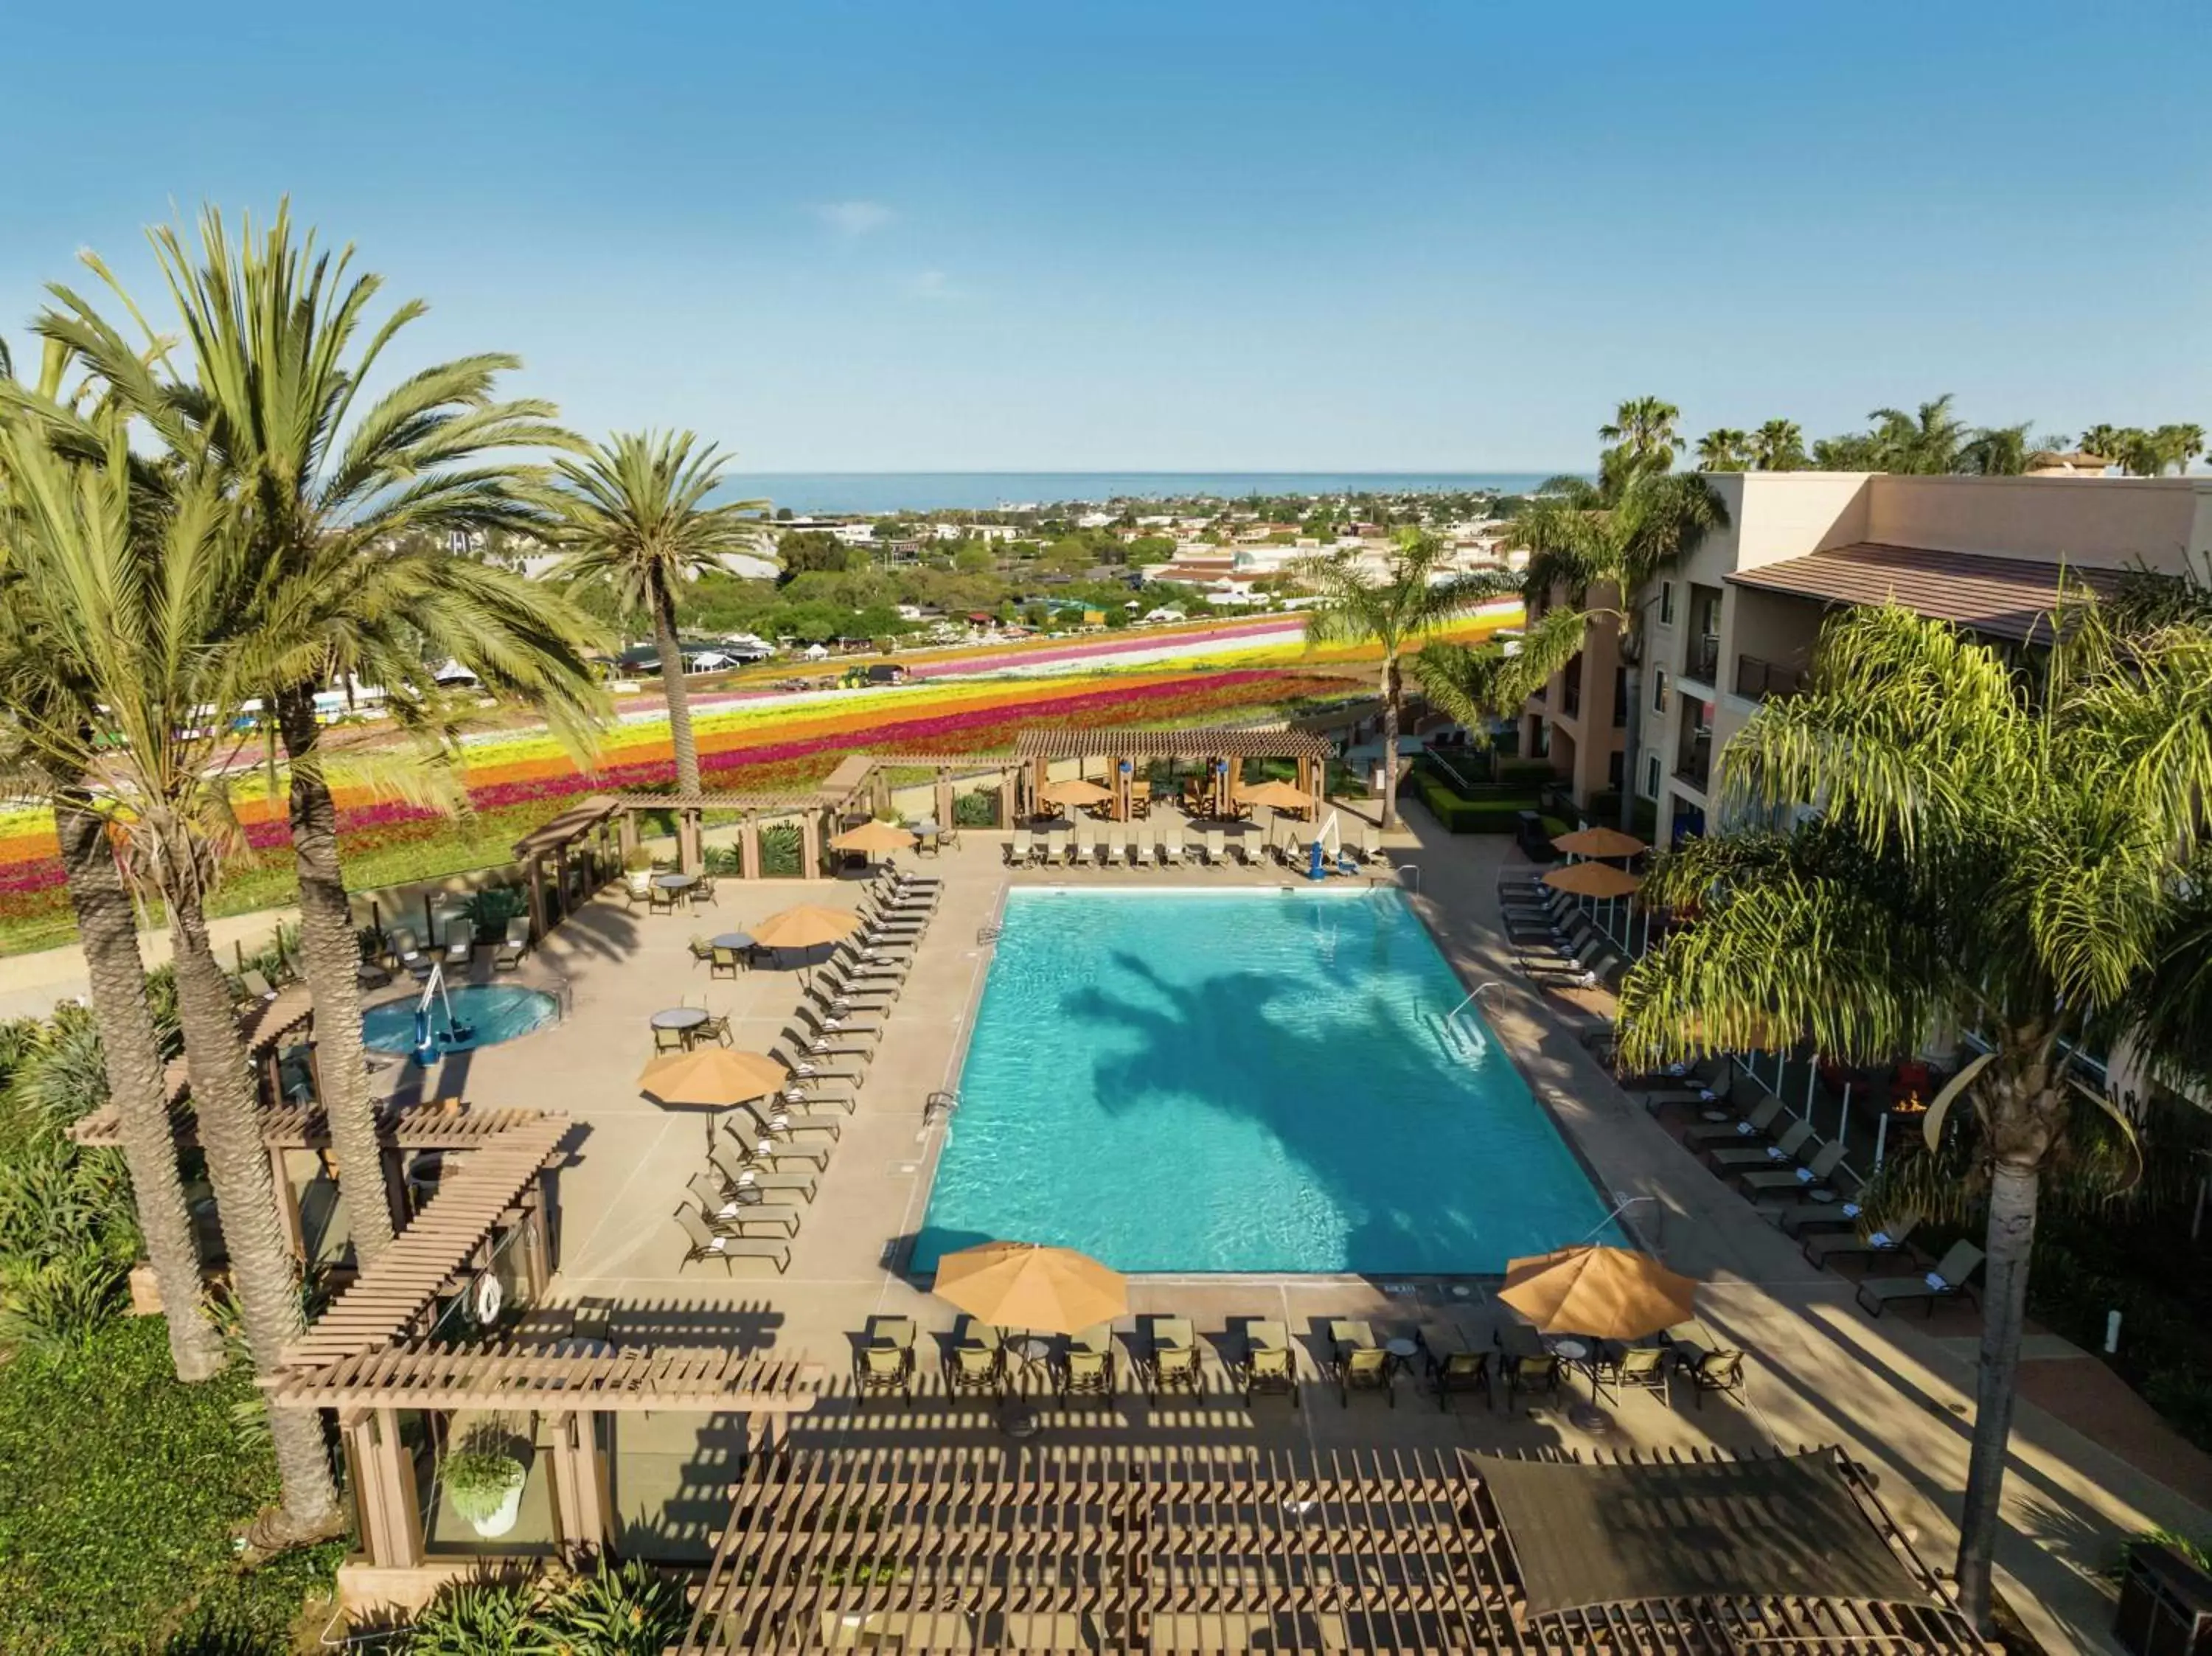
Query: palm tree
x=349 y=522
x=1410 y=599
x=2177 y=445
x=1644 y=438
x=634 y=517
x=129 y=590
x=2104 y=441
x=1724 y=449
x=1925 y=443
x=1578 y=538
x=1777 y=445
x=1999 y=849
x=2002 y=451
x=131 y=1047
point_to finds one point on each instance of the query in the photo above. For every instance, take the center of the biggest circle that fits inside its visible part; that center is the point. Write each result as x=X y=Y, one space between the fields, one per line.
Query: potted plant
x=483 y=1480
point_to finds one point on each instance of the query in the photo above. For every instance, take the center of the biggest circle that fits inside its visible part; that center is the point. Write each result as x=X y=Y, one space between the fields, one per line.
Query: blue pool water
x=1245 y=1081
x=493 y=1011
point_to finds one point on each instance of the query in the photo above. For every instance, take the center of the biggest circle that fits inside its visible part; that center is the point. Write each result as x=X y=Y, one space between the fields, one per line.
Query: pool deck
x=1898 y=1392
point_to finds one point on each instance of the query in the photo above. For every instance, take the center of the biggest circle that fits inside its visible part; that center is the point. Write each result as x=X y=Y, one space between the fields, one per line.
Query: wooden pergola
x=1174 y=1548
x=1221 y=751
x=581 y=830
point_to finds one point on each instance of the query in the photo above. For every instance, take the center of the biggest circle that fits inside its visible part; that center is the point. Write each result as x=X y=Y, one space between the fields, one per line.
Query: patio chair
x=1949 y=1280
x=669 y=1040
x=1142 y=855
x=716 y=1029
x=1890 y=1238
x=1750 y=1128
x=703 y=891
x=1459 y=1371
x=1217 y=848
x=1117 y=847
x=1174 y=1360
x=702 y=952
x=1814 y=1175
x=1020 y=848
x=659 y=900
x=1724 y=1372
x=1270 y=1361
x=1172 y=847
x=637 y=887
x=407 y=952
x=704 y=1244
x=883 y=1360
x=256 y=986
x=1086 y=1365
x=977 y=1361
x=1531 y=1374
x=1360 y=1364
x=1630 y=1367
x=507 y=954
x=1781 y=1152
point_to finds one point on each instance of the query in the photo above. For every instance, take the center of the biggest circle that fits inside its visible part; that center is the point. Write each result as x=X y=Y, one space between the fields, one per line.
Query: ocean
x=811 y=492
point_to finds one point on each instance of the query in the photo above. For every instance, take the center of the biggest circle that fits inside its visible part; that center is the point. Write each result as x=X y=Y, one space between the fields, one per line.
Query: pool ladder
x=1467 y=1042
x=938 y=1104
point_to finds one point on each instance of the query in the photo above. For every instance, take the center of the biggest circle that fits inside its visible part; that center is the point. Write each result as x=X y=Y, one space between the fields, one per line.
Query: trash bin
x=2165 y=1604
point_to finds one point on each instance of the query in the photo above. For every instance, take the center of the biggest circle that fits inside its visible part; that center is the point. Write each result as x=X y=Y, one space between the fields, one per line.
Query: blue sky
x=1189 y=236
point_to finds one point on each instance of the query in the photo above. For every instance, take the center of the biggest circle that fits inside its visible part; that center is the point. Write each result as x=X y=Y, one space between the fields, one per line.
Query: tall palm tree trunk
x=131 y=1053
x=1393 y=689
x=332 y=956
x=261 y=1265
x=1632 y=686
x=671 y=683
x=2013 y=1194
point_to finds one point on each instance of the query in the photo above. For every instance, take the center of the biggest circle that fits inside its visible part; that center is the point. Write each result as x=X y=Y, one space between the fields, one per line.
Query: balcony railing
x=1759 y=680
x=1572 y=699
x=1704 y=659
x=1695 y=763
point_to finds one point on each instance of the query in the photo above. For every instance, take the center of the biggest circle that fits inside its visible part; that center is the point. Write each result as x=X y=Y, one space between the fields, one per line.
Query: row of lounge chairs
x=1555 y=945
x=1138 y=845
x=1797 y=1180
x=404 y=950
x=769 y=1159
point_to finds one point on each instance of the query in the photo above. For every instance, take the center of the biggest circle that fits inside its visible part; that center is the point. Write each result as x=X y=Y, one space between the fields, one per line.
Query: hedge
x=1462 y=816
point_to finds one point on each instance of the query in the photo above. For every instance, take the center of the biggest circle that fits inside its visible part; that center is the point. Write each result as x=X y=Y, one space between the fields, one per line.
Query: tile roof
x=2003 y=598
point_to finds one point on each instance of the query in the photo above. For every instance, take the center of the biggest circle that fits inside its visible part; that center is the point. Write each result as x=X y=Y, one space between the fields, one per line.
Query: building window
x=1650 y=776
x=1658 y=690
x=1666 y=604
x=1614 y=765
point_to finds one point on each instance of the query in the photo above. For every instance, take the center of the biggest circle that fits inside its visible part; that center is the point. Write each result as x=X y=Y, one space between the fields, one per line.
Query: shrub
x=780 y=851
x=480 y=1475
x=479 y=1619
x=1459 y=814
x=490 y=909
x=628 y=1609
x=977 y=809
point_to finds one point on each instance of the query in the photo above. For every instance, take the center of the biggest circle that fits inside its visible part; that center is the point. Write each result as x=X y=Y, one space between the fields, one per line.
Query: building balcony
x=1702 y=661
x=1757 y=680
x=1694 y=764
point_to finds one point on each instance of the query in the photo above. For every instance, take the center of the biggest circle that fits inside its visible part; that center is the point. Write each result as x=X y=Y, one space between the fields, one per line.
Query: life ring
x=488 y=1299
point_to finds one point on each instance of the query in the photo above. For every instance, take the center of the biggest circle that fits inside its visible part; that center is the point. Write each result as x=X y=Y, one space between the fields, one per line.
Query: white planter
x=503 y=1520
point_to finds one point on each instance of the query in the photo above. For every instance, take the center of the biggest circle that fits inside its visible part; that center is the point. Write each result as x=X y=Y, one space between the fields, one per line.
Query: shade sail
x=1025 y=1285
x=874 y=838
x=1282 y=795
x=807 y=926
x=1592 y=880
x=1607 y=1293
x=1077 y=791
x=712 y=1077
x=1599 y=842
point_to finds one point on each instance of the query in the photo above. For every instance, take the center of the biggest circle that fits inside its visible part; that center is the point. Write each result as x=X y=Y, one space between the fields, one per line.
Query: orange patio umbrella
x=1599 y=842
x=1281 y=795
x=874 y=838
x=805 y=925
x=1050 y=1290
x=1592 y=880
x=712 y=1077
x=1605 y=1292
x=1077 y=790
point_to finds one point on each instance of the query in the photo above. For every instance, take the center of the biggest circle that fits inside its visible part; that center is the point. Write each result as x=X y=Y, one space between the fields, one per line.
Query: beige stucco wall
x=2110 y=523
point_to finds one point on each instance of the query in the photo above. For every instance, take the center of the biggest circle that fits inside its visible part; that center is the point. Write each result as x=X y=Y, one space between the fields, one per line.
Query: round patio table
x=739 y=940
x=676 y=882
x=680 y=1017
x=1402 y=1352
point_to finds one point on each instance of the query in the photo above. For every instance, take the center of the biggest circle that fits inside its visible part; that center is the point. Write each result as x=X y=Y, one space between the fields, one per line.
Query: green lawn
x=119 y=1490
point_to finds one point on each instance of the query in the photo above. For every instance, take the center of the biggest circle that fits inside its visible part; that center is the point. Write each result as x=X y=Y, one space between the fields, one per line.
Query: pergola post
x=687 y=835
x=537 y=1248
x=287 y=1203
x=628 y=833
x=535 y=890
x=395 y=1185
x=748 y=847
x=384 y=1489
x=577 y=1472
x=945 y=799
x=810 y=845
x=1008 y=780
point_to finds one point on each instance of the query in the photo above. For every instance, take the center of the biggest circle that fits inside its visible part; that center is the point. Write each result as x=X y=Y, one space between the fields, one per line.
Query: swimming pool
x=493 y=1012
x=1245 y=1081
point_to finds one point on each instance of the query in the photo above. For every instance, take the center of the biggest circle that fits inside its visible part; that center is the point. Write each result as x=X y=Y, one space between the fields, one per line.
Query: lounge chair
x=1171 y=847
x=1631 y=1368
x=819 y=1043
x=728 y=1215
x=1062 y=847
x=828 y=1066
x=1217 y=848
x=1085 y=852
x=705 y=1243
x=757 y=1148
x=1890 y=1239
x=883 y=1360
x=255 y=985
x=1360 y=1364
x=1142 y=852
x=511 y=948
x=977 y=1361
x=1780 y=1154
x=1020 y=848
x=1041 y=847
x=1950 y=1279
x=1174 y=1362
x=1086 y=1366
x=1814 y=1175
x=782 y=1121
x=1117 y=847
x=1711 y=1371
x=816 y=1013
x=407 y=952
x=1750 y=1130
x=734 y=1174
x=840 y=995
x=1270 y=1362
x=1458 y=1371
